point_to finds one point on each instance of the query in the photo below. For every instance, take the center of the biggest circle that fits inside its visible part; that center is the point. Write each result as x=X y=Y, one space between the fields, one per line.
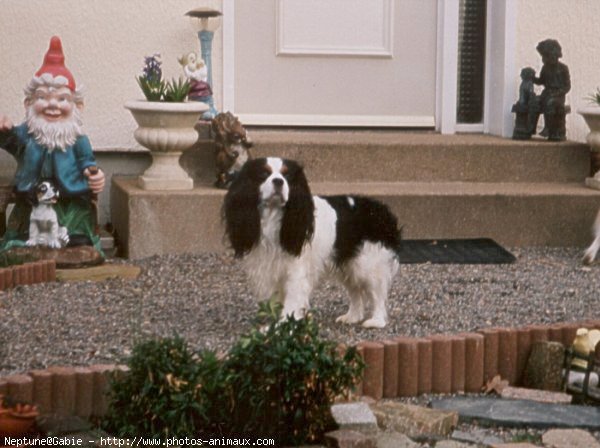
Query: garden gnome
x=50 y=146
x=556 y=80
x=526 y=108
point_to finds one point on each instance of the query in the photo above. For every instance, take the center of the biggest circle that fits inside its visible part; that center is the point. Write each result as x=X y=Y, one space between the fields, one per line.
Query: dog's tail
x=590 y=253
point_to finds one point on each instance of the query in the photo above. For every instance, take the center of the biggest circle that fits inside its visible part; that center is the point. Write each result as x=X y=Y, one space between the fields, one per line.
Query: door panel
x=335 y=62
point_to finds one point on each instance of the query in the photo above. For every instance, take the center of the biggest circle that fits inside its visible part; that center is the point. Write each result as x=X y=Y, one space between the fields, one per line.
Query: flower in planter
x=155 y=88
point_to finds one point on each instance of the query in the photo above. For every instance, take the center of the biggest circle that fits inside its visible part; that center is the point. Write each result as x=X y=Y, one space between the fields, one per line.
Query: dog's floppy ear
x=298 y=223
x=240 y=211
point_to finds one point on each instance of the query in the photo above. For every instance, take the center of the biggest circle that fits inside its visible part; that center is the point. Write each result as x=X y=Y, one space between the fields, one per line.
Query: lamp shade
x=205 y=19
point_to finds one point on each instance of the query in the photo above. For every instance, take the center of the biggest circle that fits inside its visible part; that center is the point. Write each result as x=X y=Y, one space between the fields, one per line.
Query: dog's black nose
x=278 y=182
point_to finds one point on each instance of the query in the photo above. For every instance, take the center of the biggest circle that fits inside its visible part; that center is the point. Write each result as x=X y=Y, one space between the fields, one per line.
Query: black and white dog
x=44 y=229
x=289 y=238
x=592 y=251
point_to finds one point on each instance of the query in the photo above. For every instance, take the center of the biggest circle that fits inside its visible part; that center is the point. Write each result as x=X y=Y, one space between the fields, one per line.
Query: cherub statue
x=50 y=146
x=556 y=80
x=527 y=107
x=196 y=71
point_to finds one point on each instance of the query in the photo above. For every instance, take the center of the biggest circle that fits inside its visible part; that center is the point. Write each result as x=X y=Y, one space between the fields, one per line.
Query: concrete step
x=514 y=214
x=400 y=156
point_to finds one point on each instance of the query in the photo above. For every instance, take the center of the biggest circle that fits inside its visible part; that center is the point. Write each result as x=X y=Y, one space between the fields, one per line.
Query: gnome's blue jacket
x=35 y=162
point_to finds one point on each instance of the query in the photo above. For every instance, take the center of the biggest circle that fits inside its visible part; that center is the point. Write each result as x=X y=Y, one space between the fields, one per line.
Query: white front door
x=332 y=62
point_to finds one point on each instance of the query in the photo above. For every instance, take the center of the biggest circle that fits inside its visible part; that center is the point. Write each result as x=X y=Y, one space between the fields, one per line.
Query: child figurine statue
x=556 y=80
x=50 y=148
x=526 y=108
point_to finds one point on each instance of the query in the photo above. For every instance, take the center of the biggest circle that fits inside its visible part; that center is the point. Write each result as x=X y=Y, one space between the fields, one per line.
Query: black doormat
x=467 y=251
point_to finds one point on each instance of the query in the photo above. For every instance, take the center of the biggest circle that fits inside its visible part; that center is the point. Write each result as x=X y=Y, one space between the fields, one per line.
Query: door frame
x=500 y=57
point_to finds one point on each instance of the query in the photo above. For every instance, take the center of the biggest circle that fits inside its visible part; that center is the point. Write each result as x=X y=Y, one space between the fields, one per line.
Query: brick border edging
x=28 y=273
x=450 y=363
x=397 y=367
x=61 y=390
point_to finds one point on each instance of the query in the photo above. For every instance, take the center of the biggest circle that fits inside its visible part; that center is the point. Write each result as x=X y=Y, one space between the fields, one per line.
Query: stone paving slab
x=569 y=438
x=521 y=413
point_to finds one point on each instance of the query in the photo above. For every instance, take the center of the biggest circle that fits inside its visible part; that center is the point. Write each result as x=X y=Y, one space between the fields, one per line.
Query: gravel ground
x=205 y=299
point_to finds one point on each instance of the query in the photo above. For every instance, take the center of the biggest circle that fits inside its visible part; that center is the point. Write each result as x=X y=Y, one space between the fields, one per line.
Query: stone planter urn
x=591 y=115
x=166 y=129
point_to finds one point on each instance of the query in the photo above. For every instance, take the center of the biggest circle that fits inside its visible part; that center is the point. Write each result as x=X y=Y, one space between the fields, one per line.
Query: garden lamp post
x=206 y=21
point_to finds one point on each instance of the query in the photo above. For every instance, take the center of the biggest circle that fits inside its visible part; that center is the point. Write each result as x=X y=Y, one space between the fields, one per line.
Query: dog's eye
x=263 y=175
x=43 y=188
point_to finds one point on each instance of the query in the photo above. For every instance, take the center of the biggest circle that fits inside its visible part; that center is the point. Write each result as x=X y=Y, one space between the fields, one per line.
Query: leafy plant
x=594 y=97
x=176 y=91
x=277 y=381
x=155 y=88
x=283 y=380
x=167 y=391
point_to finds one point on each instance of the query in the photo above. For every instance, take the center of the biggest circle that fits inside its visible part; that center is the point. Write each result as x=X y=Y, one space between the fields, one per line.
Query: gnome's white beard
x=53 y=135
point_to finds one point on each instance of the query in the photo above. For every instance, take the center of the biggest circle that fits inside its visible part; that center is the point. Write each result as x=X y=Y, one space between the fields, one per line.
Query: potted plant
x=17 y=420
x=166 y=127
x=591 y=115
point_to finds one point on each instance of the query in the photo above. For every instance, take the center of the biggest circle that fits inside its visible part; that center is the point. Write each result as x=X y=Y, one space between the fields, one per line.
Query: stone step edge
x=28 y=273
x=395 y=367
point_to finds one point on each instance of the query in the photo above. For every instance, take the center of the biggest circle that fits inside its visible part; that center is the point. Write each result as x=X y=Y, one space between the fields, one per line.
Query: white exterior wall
x=104 y=42
x=575 y=25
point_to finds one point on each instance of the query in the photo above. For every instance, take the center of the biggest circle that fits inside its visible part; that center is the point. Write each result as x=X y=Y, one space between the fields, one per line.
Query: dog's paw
x=31 y=243
x=588 y=257
x=374 y=323
x=349 y=318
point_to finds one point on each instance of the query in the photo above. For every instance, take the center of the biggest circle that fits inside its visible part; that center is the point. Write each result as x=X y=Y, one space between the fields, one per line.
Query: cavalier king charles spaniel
x=592 y=251
x=289 y=238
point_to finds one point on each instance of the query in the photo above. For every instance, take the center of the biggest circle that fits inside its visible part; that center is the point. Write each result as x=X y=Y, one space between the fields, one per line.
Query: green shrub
x=283 y=380
x=277 y=382
x=166 y=393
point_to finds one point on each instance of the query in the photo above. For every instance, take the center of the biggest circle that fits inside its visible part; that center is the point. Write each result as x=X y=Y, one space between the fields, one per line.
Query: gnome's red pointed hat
x=54 y=63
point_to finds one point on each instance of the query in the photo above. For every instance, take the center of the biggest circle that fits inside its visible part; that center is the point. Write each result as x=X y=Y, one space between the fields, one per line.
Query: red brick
x=51 y=271
x=523 y=350
x=507 y=355
x=555 y=333
x=441 y=368
x=373 y=374
x=474 y=361
x=28 y=273
x=458 y=363
x=425 y=366
x=64 y=390
x=16 y=276
x=102 y=374
x=20 y=388
x=408 y=367
x=390 y=369
x=84 y=400
x=490 y=353
x=42 y=390
x=359 y=386
x=8 y=278
x=44 y=270
x=37 y=272
x=2 y=282
x=568 y=333
x=539 y=333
